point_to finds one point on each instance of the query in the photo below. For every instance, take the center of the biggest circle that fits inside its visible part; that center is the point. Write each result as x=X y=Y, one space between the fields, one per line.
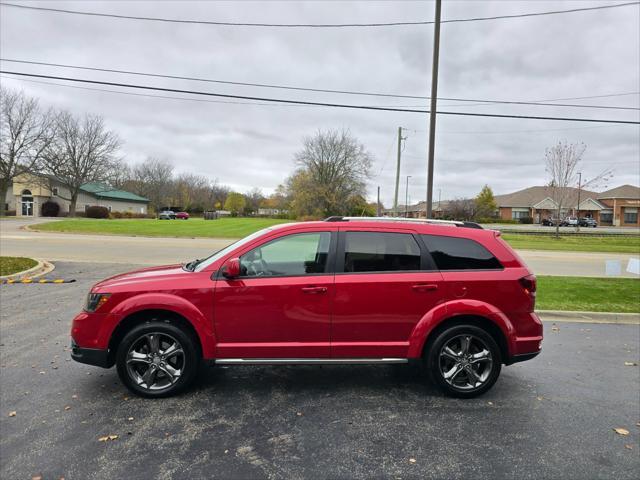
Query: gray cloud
x=580 y=54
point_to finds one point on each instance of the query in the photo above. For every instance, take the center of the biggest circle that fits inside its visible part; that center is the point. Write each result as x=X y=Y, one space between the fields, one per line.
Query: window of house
x=630 y=215
x=380 y=252
x=55 y=190
x=517 y=213
x=452 y=253
x=297 y=254
x=606 y=216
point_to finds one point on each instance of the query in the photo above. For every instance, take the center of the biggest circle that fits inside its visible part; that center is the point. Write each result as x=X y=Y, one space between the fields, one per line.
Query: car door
x=280 y=306
x=385 y=283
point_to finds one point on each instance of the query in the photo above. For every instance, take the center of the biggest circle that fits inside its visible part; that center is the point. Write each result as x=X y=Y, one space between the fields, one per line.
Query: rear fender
x=174 y=304
x=451 y=310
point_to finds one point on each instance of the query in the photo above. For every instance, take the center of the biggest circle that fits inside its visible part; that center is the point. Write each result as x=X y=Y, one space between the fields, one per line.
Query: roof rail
x=451 y=223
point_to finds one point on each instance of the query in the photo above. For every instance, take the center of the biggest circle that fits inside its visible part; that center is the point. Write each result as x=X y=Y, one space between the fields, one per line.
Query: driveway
x=551 y=417
x=15 y=241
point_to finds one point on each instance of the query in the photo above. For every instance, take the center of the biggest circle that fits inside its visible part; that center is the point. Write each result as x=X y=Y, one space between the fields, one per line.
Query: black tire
x=460 y=385
x=140 y=341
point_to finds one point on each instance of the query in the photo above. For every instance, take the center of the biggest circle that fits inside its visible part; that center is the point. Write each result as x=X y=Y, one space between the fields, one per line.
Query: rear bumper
x=523 y=357
x=90 y=356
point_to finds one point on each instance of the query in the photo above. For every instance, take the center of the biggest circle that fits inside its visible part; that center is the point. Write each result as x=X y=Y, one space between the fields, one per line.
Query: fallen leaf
x=412 y=460
x=540 y=398
x=630 y=364
x=74 y=396
x=36 y=477
x=67 y=407
x=130 y=419
x=299 y=414
x=621 y=431
x=226 y=451
x=12 y=414
x=107 y=438
x=42 y=372
x=629 y=447
x=489 y=403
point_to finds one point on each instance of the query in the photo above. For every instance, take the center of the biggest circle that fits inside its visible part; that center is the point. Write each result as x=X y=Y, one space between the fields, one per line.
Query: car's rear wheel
x=464 y=361
x=157 y=359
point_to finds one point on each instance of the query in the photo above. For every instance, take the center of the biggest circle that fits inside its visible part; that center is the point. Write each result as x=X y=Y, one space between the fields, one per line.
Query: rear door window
x=380 y=252
x=453 y=253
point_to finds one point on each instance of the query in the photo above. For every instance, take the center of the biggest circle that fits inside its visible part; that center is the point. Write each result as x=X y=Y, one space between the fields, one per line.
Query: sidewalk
x=589 y=317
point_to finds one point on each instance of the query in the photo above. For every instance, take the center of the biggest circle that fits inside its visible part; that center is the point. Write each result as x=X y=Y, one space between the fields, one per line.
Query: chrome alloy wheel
x=155 y=361
x=465 y=362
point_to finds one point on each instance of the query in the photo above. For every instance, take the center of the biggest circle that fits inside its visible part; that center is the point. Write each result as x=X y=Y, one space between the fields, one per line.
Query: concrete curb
x=589 y=317
x=42 y=268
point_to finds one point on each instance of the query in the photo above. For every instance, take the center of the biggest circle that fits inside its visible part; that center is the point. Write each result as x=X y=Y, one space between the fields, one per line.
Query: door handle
x=314 y=289
x=425 y=287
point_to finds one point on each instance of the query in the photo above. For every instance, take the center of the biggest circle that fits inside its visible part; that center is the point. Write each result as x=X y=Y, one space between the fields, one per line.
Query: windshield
x=221 y=253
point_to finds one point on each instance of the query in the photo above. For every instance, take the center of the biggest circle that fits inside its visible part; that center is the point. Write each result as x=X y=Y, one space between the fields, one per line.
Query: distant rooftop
x=102 y=190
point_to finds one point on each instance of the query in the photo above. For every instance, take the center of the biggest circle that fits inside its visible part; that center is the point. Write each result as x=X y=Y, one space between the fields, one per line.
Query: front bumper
x=90 y=356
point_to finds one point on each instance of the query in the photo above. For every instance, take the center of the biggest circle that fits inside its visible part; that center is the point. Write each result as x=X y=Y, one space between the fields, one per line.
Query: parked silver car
x=167 y=215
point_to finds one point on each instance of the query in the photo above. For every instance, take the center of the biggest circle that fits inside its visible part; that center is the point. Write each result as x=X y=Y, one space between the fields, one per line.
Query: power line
x=319 y=90
x=310 y=25
x=302 y=102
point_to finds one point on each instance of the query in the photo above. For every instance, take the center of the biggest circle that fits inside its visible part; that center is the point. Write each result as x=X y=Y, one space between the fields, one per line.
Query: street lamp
x=406 y=199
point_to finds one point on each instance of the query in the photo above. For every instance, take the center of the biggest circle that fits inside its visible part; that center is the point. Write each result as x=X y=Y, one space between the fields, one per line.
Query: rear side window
x=452 y=253
x=380 y=252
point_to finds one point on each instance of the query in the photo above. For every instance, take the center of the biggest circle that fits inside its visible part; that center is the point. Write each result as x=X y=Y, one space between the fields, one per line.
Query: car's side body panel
x=352 y=315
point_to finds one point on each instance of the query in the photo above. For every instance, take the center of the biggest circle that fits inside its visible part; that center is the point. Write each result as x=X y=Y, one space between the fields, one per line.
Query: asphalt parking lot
x=552 y=417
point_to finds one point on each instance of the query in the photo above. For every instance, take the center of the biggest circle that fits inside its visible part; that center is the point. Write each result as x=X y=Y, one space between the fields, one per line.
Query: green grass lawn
x=240 y=227
x=588 y=294
x=194 y=227
x=610 y=244
x=11 y=265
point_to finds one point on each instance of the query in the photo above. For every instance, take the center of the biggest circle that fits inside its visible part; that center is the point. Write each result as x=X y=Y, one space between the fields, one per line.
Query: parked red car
x=182 y=216
x=344 y=290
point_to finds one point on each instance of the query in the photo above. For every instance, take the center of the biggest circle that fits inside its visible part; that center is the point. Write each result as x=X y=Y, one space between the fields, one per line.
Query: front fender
x=458 y=308
x=175 y=304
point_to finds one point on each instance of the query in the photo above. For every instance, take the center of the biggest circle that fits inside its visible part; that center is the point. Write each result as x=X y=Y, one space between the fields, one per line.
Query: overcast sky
x=245 y=146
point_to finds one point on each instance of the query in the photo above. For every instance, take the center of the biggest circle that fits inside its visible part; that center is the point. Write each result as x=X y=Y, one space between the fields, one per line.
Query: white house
x=28 y=193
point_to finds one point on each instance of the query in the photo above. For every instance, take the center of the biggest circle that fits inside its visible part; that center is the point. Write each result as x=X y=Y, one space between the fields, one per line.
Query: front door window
x=27 y=206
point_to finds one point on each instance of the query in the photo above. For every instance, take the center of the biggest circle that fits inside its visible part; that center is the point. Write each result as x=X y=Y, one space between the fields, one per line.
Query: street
x=157 y=251
x=552 y=417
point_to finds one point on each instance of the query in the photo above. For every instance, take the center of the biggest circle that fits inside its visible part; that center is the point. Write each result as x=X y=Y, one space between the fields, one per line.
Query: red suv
x=341 y=291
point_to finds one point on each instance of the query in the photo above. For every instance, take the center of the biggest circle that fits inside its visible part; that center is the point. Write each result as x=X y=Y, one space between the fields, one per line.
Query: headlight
x=96 y=300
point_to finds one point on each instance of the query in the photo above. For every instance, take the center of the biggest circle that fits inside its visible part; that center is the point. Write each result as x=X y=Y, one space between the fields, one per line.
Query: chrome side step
x=308 y=361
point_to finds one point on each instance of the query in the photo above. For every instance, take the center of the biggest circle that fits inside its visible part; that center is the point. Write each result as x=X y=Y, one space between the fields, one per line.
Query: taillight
x=529 y=284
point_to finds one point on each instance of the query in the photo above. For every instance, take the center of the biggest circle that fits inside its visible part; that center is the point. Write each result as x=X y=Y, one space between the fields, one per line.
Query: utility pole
x=378 y=212
x=432 y=109
x=578 y=208
x=406 y=199
x=440 y=201
x=395 y=197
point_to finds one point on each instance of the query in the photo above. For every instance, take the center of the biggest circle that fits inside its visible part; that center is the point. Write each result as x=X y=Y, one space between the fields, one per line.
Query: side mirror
x=231 y=268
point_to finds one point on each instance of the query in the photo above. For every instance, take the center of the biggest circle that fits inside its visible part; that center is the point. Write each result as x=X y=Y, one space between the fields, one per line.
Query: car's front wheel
x=157 y=359
x=464 y=361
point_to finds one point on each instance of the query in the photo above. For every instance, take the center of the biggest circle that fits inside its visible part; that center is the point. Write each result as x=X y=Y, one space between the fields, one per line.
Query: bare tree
x=562 y=163
x=25 y=132
x=218 y=194
x=83 y=151
x=460 y=209
x=191 y=191
x=254 y=198
x=332 y=169
x=154 y=180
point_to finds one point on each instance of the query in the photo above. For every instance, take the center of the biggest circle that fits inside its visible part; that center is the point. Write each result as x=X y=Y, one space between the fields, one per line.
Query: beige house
x=618 y=206
x=28 y=193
